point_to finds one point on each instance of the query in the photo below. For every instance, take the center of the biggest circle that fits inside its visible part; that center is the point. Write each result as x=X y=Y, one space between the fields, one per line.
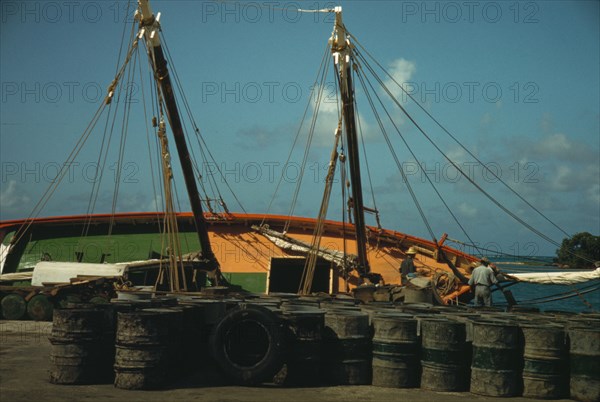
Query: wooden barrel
x=444 y=355
x=347 y=347
x=545 y=365
x=395 y=351
x=76 y=353
x=497 y=358
x=146 y=347
x=305 y=340
x=585 y=363
x=14 y=306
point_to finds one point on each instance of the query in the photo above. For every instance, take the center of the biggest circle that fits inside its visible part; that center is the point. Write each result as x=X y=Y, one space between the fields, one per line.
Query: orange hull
x=241 y=250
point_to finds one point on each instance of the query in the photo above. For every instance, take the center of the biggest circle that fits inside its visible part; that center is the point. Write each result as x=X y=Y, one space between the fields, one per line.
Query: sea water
x=539 y=296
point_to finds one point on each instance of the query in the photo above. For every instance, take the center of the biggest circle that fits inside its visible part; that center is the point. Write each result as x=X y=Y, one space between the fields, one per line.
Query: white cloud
x=555 y=144
x=467 y=210
x=11 y=196
x=402 y=71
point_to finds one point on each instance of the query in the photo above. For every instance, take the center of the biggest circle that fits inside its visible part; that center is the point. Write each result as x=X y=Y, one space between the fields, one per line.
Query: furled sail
x=556 y=278
x=287 y=243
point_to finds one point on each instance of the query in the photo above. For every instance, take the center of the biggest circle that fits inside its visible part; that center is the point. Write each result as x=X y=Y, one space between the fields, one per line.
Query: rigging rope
x=454 y=217
x=466 y=176
x=396 y=159
x=311 y=262
x=458 y=142
x=204 y=150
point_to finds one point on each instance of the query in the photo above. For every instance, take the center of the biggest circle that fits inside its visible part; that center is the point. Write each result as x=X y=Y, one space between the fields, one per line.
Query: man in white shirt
x=481 y=280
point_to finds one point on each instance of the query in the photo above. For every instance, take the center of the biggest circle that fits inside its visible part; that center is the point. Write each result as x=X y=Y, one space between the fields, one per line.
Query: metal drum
x=444 y=355
x=395 y=351
x=585 y=363
x=76 y=347
x=545 y=364
x=347 y=348
x=497 y=358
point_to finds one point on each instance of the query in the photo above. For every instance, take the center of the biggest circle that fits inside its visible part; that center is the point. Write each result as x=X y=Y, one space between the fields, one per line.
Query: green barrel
x=497 y=358
x=347 y=348
x=545 y=361
x=444 y=355
x=40 y=308
x=14 y=307
x=395 y=351
x=585 y=363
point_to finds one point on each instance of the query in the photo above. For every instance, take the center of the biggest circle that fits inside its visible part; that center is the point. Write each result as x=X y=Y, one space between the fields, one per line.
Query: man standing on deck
x=481 y=280
x=408 y=265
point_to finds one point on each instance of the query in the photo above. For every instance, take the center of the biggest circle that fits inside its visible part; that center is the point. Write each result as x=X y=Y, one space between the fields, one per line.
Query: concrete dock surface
x=25 y=361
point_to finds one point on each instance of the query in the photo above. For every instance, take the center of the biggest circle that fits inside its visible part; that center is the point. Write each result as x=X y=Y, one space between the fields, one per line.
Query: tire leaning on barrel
x=232 y=351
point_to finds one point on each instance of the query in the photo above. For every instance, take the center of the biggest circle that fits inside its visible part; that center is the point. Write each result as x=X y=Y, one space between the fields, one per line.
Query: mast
x=150 y=28
x=341 y=50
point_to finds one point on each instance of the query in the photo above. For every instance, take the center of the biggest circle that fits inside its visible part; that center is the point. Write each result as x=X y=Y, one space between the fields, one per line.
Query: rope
x=466 y=176
x=396 y=160
x=311 y=261
x=512 y=190
x=411 y=151
x=311 y=133
x=313 y=91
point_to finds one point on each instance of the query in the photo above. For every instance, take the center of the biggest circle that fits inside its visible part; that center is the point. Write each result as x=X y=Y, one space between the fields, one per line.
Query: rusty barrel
x=444 y=364
x=304 y=329
x=497 y=358
x=545 y=364
x=584 y=359
x=347 y=348
x=146 y=347
x=395 y=351
x=76 y=347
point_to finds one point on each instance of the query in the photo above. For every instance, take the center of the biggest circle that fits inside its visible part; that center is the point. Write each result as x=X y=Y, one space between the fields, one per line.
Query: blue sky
x=516 y=82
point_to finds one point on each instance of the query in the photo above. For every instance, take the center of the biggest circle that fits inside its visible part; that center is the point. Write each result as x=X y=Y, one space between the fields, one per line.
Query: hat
x=485 y=260
x=411 y=250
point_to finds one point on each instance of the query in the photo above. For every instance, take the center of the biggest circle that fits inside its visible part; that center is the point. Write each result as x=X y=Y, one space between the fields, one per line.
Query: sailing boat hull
x=246 y=257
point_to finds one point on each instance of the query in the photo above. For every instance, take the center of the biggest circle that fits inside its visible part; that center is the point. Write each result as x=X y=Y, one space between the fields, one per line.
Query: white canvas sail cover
x=556 y=278
x=287 y=243
x=62 y=272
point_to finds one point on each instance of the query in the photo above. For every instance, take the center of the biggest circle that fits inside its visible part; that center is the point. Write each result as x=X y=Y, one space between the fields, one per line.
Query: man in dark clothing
x=408 y=265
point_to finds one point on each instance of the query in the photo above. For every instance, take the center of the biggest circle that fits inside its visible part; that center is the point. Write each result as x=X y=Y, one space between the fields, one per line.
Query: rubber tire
x=272 y=360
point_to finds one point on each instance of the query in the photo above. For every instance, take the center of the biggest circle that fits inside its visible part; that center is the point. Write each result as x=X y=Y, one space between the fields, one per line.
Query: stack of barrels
x=329 y=342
